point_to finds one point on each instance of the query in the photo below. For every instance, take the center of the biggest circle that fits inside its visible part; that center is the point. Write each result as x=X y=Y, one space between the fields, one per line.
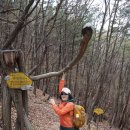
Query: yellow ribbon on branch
x=98 y=111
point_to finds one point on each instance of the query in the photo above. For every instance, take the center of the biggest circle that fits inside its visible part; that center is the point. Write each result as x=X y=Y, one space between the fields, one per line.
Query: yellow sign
x=18 y=80
x=98 y=111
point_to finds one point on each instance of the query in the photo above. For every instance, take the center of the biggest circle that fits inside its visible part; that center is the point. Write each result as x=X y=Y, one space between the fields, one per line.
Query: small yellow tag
x=98 y=111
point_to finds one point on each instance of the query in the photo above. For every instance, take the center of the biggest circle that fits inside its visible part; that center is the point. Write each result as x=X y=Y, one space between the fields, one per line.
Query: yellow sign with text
x=18 y=80
x=98 y=111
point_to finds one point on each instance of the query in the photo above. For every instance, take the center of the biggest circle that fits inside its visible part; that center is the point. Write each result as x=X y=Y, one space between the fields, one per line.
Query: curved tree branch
x=87 y=34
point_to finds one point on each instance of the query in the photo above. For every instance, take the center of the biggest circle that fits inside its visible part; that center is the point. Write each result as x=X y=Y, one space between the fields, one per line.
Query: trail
x=43 y=117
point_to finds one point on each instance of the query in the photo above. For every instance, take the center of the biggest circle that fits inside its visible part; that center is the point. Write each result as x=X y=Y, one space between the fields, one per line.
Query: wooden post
x=6 y=108
x=9 y=60
x=24 y=92
x=6 y=98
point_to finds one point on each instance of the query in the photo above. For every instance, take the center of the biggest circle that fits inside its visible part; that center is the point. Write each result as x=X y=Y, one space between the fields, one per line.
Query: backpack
x=79 y=116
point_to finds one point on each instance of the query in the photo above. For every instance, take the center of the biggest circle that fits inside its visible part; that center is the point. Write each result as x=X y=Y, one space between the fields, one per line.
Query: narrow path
x=43 y=117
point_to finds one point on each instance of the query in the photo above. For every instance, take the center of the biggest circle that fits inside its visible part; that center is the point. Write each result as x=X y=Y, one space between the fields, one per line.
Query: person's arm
x=67 y=108
x=62 y=83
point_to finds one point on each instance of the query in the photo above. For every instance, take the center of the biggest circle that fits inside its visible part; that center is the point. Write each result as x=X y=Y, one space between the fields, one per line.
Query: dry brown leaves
x=42 y=117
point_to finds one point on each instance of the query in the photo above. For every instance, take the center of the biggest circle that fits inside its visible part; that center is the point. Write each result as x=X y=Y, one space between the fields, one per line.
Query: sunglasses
x=63 y=93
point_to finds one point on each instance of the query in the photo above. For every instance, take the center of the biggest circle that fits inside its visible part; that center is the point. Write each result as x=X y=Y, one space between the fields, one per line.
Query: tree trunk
x=6 y=108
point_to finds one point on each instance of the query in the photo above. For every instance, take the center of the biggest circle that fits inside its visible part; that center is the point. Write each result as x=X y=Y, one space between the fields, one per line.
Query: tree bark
x=19 y=25
x=6 y=108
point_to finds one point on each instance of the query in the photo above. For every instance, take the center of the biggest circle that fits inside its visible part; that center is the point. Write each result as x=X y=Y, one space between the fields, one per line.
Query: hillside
x=43 y=117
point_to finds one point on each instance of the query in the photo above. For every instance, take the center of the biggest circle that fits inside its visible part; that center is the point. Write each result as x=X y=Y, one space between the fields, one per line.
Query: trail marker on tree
x=12 y=68
x=18 y=80
x=98 y=111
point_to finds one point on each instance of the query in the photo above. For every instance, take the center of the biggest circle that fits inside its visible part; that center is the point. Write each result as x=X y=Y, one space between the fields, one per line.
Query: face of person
x=64 y=96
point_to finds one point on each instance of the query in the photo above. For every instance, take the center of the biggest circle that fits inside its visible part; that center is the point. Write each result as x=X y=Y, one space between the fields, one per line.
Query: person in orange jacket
x=65 y=109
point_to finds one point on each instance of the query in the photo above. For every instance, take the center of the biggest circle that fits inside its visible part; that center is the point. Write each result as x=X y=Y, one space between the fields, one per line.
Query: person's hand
x=52 y=101
x=63 y=76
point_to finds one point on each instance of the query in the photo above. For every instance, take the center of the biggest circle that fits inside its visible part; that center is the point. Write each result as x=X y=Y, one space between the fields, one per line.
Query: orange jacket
x=64 y=110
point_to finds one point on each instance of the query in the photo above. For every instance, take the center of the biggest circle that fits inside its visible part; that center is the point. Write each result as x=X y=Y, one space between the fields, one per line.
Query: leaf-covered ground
x=42 y=117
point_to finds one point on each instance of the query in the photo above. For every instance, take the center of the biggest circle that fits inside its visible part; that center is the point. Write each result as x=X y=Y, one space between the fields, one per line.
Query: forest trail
x=43 y=117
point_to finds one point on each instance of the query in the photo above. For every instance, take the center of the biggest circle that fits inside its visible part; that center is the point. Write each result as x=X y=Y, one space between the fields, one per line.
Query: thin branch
x=19 y=26
x=55 y=15
x=33 y=9
x=36 y=66
x=7 y=21
x=49 y=20
x=28 y=22
x=10 y=10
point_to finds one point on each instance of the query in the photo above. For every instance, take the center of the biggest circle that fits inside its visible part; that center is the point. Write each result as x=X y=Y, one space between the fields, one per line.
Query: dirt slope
x=43 y=117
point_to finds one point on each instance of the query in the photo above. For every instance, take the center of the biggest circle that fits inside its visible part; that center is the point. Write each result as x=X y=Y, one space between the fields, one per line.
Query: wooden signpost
x=98 y=112
x=18 y=80
x=11 y=89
